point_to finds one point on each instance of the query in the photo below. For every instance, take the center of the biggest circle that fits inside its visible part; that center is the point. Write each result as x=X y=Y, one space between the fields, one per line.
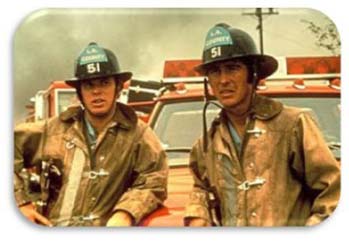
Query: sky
x=47 y=41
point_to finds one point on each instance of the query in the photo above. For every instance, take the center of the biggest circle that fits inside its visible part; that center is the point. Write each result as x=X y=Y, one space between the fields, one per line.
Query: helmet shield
x=96 y=62
x=224 y=43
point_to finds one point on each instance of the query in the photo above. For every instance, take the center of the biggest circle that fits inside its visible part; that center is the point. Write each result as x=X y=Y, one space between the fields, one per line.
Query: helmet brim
x=122 y=76
x=266 y=64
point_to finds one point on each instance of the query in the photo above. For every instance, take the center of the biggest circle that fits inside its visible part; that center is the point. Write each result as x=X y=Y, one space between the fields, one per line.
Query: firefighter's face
x=99 y=96
x=229 y=83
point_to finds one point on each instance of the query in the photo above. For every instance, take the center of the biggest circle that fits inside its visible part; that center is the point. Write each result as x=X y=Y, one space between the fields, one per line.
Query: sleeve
x=149 y=189
x=27 y=139
x=197 y=206
x=318 y=167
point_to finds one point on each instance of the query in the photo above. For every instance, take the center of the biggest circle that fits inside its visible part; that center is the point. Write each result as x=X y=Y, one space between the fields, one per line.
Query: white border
x=14 y=227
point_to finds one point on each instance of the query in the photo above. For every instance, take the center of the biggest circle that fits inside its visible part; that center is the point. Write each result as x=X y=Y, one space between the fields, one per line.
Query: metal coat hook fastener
x=256 y=132
x=70 y=144
x=246 y=185
x=90 y=217
x=100 y=173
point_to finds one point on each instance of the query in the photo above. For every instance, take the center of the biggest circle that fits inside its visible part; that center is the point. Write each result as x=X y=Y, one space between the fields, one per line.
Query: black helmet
x=97 y=62
x=226 y=43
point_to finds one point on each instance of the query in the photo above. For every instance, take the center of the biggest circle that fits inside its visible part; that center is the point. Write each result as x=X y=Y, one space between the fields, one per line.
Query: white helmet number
x=93 y=68
x=215 y=52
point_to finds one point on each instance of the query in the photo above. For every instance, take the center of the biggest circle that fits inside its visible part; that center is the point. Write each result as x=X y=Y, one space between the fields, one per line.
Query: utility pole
x=259 y=14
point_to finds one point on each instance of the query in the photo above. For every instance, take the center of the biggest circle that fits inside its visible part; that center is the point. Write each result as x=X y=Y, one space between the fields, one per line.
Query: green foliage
x=326 y=36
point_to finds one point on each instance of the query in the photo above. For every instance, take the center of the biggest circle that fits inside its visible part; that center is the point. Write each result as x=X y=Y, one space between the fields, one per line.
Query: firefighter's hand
x=29 y=212
x=120 y=219
x=198 y=222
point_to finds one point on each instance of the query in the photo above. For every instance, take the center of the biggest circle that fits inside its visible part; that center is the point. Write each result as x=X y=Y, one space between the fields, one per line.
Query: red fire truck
x=175 y=107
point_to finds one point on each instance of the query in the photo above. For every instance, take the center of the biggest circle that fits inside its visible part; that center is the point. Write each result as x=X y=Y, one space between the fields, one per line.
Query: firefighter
x=99 y=164
x=261 y=163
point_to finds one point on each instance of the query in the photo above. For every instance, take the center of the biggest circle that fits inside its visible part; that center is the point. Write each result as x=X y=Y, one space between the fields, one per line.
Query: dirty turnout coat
x=129 y=173
x=285 y=175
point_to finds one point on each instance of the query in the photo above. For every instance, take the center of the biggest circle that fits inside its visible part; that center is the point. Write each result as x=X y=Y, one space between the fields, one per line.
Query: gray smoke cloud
x=48 y=41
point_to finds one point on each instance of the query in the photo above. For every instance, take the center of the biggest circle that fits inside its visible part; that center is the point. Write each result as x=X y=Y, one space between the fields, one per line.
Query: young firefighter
x=99 y=164
x=264 y=163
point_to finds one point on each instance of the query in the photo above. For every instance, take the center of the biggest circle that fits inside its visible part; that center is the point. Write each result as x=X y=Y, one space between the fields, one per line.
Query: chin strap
x=207 y=103
x=254 y=87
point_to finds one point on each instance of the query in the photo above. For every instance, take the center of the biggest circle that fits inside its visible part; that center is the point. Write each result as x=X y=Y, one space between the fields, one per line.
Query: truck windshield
x=179 y=125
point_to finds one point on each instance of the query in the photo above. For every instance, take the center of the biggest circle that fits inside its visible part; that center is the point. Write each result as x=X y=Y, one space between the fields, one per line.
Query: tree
x=327 y=36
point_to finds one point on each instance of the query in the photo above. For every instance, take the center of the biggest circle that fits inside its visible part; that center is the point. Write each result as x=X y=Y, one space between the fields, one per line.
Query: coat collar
x=124 y=116
x=265 y=108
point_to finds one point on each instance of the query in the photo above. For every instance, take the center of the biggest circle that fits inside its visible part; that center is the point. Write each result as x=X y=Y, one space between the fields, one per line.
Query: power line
x=259 y=14
x=303 y=45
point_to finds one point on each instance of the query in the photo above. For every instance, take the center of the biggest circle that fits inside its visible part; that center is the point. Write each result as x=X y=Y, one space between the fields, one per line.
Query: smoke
x=48 y=41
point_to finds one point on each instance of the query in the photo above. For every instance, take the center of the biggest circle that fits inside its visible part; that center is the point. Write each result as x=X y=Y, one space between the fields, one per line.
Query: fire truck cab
x=309 y=83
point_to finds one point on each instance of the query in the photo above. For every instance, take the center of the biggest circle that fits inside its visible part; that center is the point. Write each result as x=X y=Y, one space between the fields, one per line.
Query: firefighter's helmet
x=224 y=43
x=97 y=62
